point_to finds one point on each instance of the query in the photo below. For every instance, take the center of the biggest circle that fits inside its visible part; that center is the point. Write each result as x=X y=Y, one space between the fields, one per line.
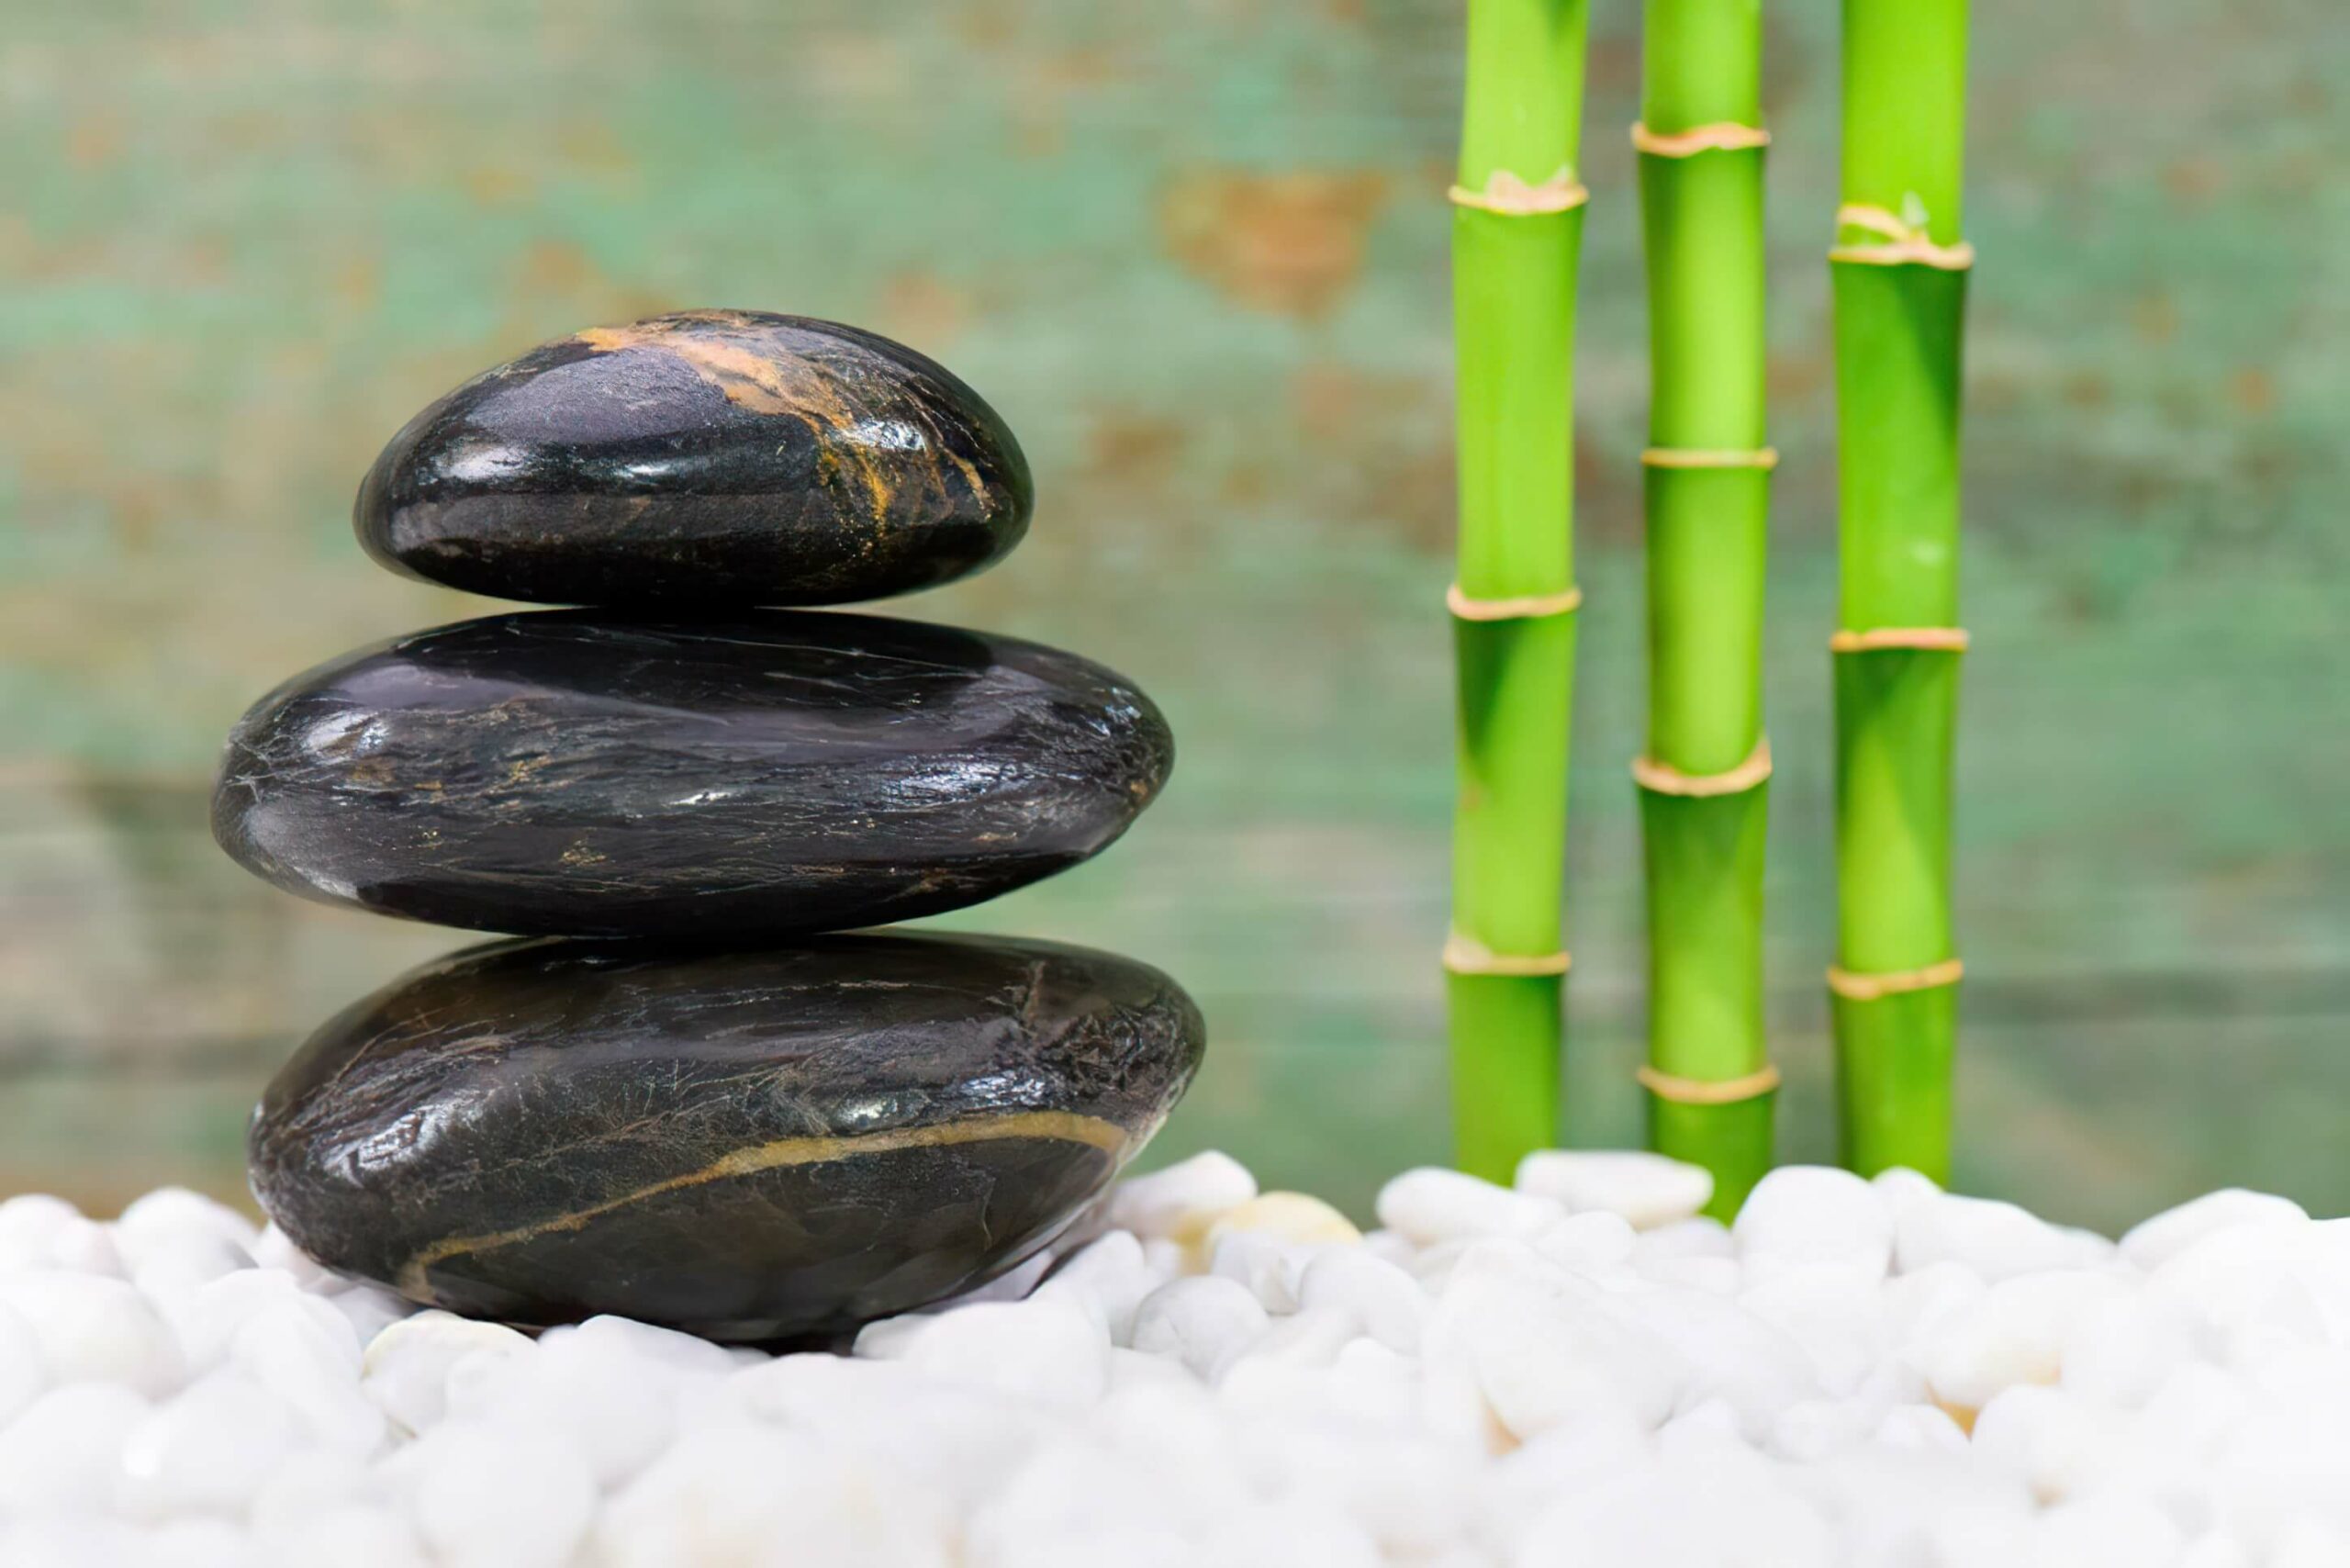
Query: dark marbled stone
x=566 y=772
x=746 y=1145
x=710 y=458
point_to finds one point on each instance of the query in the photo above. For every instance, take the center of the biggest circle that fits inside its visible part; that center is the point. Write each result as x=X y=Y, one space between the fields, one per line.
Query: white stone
x=61 y=1453
x=96 y=1328
x=1048 y=1351
x=487 y=1498
x=1206 y=1322
x=170 y=1217
x=1646 y=1190
x=1180 y=1202
x=208 y=1450
x=41 y=1232
x=1808 y=1216
x=1109 y=1280
x=305 y=1353
x=23 y=1370
x=1285 y=1216
x=1431 y=1205
x=1995 y=1240
x=1386 y=1302
x=405 y=1368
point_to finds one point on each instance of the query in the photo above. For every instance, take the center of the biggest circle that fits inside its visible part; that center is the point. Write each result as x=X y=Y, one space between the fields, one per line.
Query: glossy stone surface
x=745 y=1144
x=569 y=772
x=710 y=458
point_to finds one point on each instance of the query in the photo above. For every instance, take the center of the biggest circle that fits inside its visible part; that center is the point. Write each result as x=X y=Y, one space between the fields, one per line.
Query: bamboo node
x=1708 y=1090
x=1657 y=778
x=1905 y=244
x=1721 y=135
x=1510 y=197
x=1932 y=639
x=1763 y=457
x=1467 y=955
x=1532 y=607
x=1872 y=988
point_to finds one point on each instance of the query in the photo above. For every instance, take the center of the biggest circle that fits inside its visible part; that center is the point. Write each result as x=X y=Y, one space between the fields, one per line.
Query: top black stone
x=723 y=458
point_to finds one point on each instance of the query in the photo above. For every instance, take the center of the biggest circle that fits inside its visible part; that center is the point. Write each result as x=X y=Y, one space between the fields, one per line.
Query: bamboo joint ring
x=1904 y=245
x=1721 y=135
x=1532 y=607
x=1467 y=955
x=1929 y=639
x=1872 y=988
x=1510 y=197
x=1708 y=1090
x=1657 y=778
x=1763 y=457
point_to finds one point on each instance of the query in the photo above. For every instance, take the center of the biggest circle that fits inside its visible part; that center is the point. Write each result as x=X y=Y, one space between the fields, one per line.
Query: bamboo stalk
x=1899 y=274
x=1704 y=784
x=1516 y=236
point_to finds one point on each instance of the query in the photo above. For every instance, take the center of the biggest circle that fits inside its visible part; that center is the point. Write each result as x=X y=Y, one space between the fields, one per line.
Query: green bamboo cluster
x=1705 y=779
x=1516 y=238
x=1899 y=272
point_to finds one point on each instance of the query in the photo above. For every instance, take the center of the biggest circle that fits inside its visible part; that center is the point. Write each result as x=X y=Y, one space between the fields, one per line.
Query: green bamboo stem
x=1514 y=275
x=1708 y=502
x=1900 y=294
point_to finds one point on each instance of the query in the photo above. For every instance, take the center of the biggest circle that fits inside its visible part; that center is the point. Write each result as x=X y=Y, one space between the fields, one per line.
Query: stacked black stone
x=682 y=1101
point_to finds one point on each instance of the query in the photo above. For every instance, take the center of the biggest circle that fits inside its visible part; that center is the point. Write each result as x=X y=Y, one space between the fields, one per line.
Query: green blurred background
x=1196 y=254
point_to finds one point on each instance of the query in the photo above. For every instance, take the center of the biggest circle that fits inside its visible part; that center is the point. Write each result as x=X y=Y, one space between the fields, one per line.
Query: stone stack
x=679 y=1098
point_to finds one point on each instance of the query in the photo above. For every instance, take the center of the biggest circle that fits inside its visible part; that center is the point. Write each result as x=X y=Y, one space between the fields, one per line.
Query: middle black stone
x=766 y=774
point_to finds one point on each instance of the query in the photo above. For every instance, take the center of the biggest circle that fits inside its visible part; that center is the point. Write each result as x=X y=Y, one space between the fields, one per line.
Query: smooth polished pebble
x=571 y=773
x=702 y=460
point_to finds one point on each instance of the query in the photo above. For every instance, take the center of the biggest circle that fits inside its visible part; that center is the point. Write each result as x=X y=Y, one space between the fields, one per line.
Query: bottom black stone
x=747 y=1146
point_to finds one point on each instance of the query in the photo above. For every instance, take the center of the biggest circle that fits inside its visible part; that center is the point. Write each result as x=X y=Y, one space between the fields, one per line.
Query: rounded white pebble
x=96 y=1328
x=207 y=1452
x=1996 y=1240
x=61 y=1453
x=1644 y=1189
x=1803 y=1215
x=1052 y=1352
x=1431 y=1205
x=1205 y=1322
x=171 y=1216
x=1180 y=1202
x=1284 y=1216
x=405 y=1370
x=486 y=1498
x=2153 y=1242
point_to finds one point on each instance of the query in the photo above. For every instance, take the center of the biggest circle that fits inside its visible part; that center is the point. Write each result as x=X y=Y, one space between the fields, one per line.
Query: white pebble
x=1431 y=1205
x=1048 y=1351
x=405 y=1368
x=208 y=1450
x=1802 y=1216
x=1285 y=1216
x=1996 y=1240
x=487 y=1498
x=2153 y=1242
x=170 y=1217
x=1386 y=1302
x=1180 y=1202
x=1645 y=1190
x=61 y=1453
x=96 y=1328
x=1206 y=1322
x=41 y=1232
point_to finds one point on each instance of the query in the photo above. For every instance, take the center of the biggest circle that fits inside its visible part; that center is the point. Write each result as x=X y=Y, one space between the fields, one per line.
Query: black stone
x=568 y=772
x=710 y=458
x=746 y=1145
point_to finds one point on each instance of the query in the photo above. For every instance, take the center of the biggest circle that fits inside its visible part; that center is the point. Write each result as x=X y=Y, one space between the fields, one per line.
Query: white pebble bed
x=1574 y=1371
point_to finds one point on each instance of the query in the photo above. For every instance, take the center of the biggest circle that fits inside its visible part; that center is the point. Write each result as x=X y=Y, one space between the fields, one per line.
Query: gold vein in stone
x=1065 y=1125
